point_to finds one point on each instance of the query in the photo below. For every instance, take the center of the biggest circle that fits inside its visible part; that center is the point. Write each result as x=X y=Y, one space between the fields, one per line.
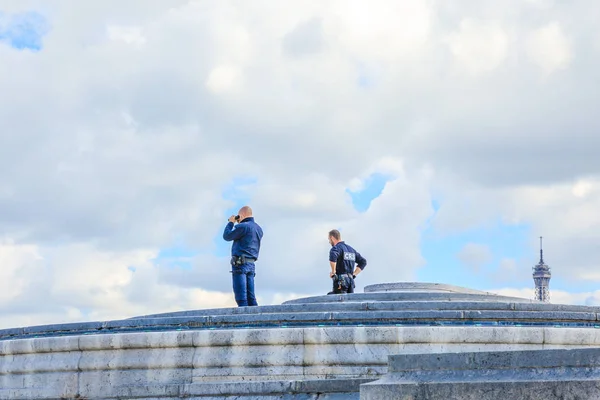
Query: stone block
x=418 y=287
x=141 y=383
x=518 y=390
x=137 y=340
x=10 y=332
x=407 y=316
x=249 y=356
x=53 y=385
x=131 y=392
x=531 y=315
x=471 y=334
x=437 y=305
x=348 y=354
x=40 y=362
x=571 y=336
x=39 y=345
x=239 y=388
x=61 y=328
x=38 y=394
x=282 y=317
x=290 y=388
x=247 y=373
x=513 y=375
x=351 y=334
x=137 y=358
x=249 y=337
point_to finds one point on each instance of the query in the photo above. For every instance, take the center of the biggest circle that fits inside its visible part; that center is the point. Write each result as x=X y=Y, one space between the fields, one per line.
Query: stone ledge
x=407 y=296
x=222 y=390
x=385 y=317
x=388 y=304
x=514 y=375
x=403 y=305
x=277 y=387
x=541 y=390
x=420 y=287
x=547 y=336
x=496 y=360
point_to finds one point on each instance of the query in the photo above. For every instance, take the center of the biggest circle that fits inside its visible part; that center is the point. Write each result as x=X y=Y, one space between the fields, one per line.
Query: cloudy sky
x=442 y=138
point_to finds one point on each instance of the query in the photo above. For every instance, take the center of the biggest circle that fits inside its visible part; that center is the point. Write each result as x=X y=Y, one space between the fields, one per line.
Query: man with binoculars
x=246 y=236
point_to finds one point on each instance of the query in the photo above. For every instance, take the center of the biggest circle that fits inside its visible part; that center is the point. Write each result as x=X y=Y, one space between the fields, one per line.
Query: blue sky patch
x=372 y=189
x=237 y=193
x=504 y=242
x=23 y=31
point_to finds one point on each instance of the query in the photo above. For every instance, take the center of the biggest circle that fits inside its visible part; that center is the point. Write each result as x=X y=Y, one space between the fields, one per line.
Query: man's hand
x=232 y=219
x=331 y=274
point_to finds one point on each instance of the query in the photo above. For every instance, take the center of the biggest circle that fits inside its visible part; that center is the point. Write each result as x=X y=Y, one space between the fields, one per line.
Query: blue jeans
x=243 y=286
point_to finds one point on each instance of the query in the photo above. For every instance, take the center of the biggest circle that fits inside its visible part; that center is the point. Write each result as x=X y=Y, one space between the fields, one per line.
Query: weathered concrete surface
x=202 y=363
x=420 y=287
x=297 y=350
x=389 y=304
x=406 y=295
x=513 y=375
x=506 y=390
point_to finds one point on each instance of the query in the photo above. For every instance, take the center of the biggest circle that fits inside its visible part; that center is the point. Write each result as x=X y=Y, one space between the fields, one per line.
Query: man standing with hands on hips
x=246 y=236
x=345 y=264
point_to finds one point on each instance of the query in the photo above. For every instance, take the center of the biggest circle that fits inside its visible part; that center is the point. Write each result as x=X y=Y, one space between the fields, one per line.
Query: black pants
x=345 y=281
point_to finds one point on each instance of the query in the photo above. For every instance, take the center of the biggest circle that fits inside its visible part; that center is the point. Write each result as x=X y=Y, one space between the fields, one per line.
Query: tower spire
x=541 y=278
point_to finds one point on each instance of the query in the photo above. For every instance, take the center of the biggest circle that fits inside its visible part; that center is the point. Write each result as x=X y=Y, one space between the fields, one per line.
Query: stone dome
x=323 y=345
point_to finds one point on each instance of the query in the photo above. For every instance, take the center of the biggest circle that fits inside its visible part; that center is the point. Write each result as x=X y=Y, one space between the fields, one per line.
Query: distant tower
x=541 y=277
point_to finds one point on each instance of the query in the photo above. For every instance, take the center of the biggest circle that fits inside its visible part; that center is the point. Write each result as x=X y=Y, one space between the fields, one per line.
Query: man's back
x=345 y=257
x=246 y=237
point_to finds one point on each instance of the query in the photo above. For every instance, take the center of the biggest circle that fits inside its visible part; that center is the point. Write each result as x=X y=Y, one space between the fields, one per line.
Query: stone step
x=330 y=389
x=543 y=360
x=408 y=296
x=378 y=306
x=420 y=287
x=285 y=318
x=342 y=388
x=548 y=374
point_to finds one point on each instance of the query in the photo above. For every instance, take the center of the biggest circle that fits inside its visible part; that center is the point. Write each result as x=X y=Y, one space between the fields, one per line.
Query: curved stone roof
x=422 y=287
x=387 y=304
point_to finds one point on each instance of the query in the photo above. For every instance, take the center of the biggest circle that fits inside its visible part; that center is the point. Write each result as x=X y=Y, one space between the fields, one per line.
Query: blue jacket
x=346 y=258
x=246 y=237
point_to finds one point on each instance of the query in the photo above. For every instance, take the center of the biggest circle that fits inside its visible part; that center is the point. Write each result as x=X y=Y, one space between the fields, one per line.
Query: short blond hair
x=334 y=233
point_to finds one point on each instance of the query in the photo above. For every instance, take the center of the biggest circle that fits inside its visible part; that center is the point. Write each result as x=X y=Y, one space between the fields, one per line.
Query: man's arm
x=361 y=263
x=230 y=233
x=332 y=273
x=333 y=257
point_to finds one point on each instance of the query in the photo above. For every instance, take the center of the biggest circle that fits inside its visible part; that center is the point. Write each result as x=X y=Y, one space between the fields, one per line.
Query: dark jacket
x=246 y=237
x=346 y=258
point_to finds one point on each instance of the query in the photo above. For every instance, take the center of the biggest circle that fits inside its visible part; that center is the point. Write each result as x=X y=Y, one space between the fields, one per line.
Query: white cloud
x=20 y=263
x=115 y=148
x=222 y=78
x=582 y=188
x=77 y=283
x=388 y=31
x=479 y=46
x=549 y=48
x=556 y=296
x=127 y=34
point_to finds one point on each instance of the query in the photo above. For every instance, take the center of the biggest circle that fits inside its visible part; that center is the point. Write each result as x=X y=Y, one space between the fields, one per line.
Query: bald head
x=245 y=212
